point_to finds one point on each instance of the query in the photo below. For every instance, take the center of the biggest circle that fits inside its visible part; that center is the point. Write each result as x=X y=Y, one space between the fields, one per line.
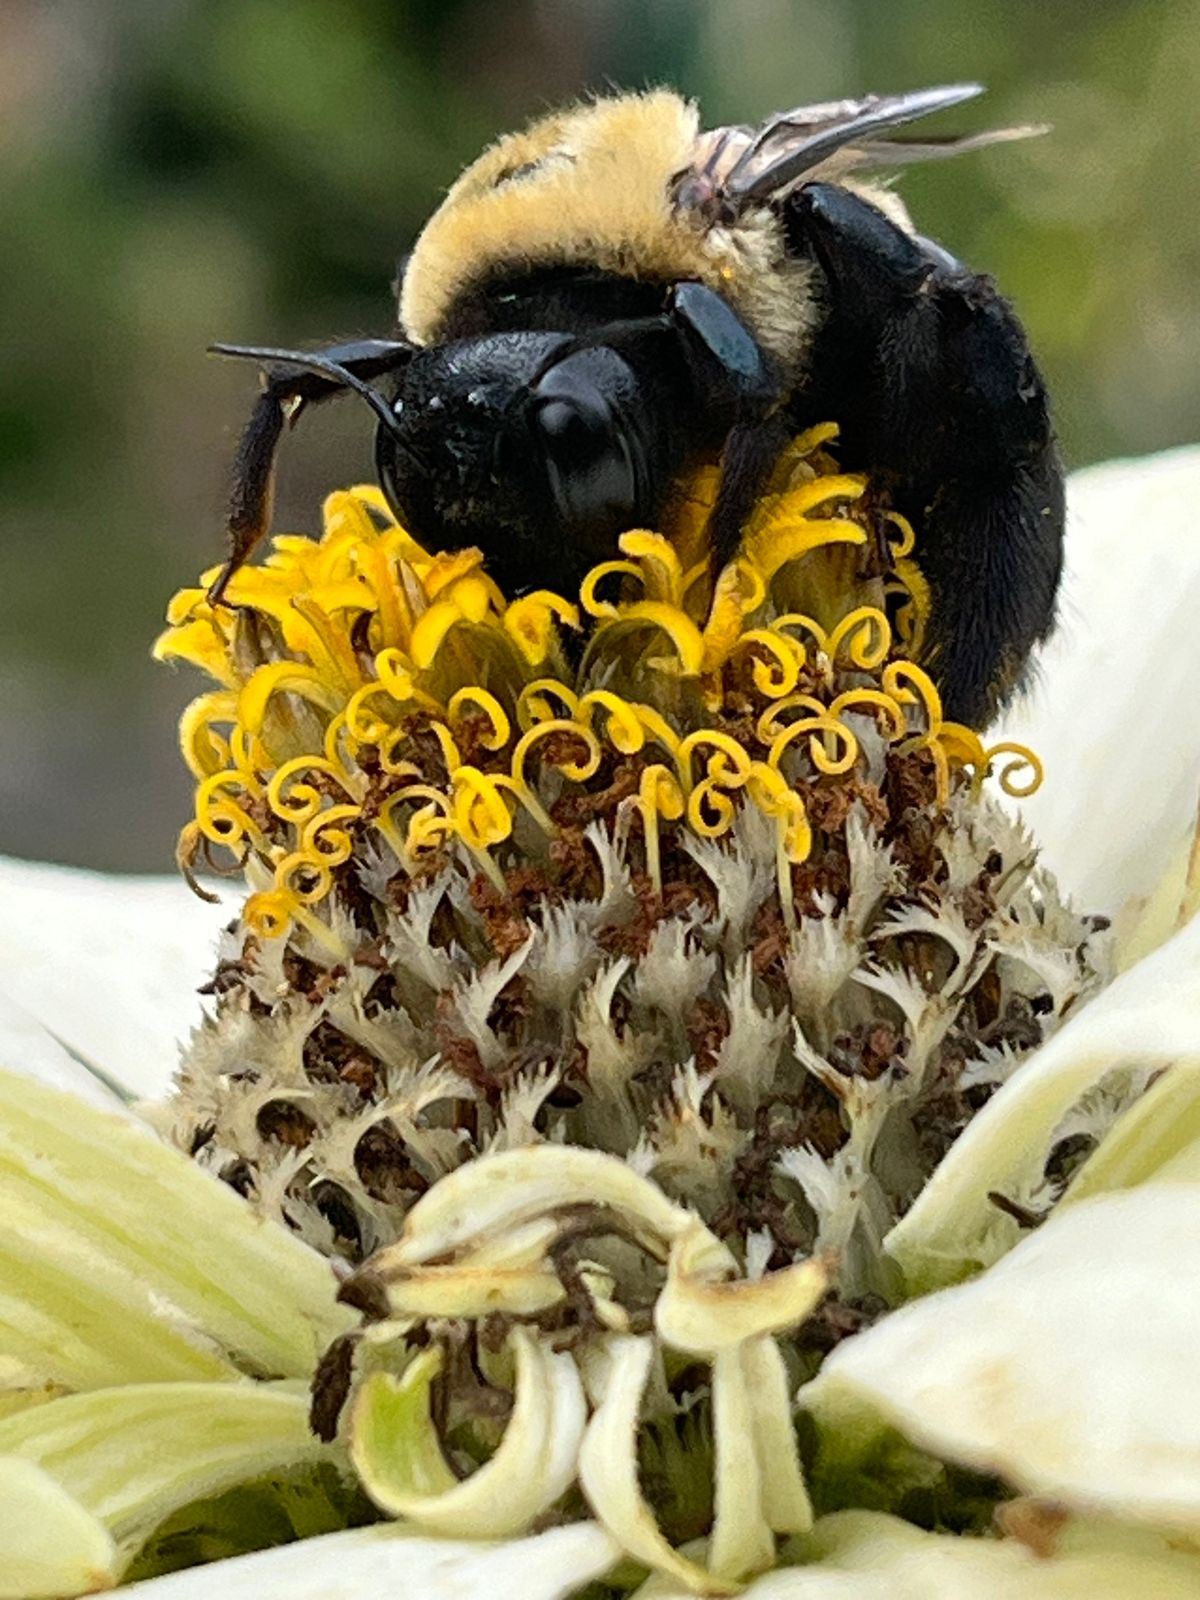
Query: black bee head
x=537 y=447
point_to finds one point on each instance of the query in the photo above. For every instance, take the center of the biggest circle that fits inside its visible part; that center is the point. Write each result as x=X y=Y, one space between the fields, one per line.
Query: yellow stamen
x=358 y=667
x=594 y=606
x=1009 y=775
x=205 y=751
x=678 y=627
x=530 y=623
x=659 y=796
x=660 y=568
x=285 y=677
x=501 y=728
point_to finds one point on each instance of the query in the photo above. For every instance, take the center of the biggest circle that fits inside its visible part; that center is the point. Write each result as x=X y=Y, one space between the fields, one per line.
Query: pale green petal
x=608 y=1471
x=1157 y=1140
x=509 y=1188
x=72 y=1318
x=110 y=965
x=741 y=1540
x=132 y=1456
x=120 y=1260
x=864 y=1555
x=49 y=1544
x=395 y=1449
x=389 y=1562
x=1114 y=711
x=1069 y=1369
x=1150 y=1014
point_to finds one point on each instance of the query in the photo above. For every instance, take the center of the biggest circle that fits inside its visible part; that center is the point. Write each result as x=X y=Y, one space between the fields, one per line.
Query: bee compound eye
x=587 y=463
x=566 y=430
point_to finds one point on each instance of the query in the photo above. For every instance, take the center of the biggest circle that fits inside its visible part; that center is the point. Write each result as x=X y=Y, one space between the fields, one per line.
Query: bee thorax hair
x=593 y=187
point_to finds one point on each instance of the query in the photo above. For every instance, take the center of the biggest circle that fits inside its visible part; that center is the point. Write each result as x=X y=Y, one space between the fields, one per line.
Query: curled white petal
x=501 y=1191
x=700 y=1311
x=1069 y=1369
x=395 y=1449
x=1150 y=1014
x=507 y=1273
x=608 y=1471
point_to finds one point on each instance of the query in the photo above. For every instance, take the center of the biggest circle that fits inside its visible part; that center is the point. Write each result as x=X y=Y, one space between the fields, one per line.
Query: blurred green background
x=177 y=171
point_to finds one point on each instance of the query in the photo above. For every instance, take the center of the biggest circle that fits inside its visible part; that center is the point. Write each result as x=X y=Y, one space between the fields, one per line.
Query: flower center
x=614 y=973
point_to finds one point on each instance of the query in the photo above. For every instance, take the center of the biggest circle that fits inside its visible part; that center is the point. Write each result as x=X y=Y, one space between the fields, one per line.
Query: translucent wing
x=739 y=166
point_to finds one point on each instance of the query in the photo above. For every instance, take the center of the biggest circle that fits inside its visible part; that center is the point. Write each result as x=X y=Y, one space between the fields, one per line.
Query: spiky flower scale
x=613 y=976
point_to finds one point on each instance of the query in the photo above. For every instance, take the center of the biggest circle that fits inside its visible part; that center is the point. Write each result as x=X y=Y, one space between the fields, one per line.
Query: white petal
x=700 y=1311
x=396 y=1452
x=505 y=1190
x=131 y=1456
x=1069 y=1368
x=1114 y=714
x=865 y=1555
x=741 y=1538
x=109 y=965
x=28 y=1048
x=121 y=1260
x=786 y=1504
x=50 y=1543
x=608 y=1471
x=1150 y=1014
x=388 y=1562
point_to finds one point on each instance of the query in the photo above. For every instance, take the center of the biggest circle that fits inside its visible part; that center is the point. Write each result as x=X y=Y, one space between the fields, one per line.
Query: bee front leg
x=927 y=370
x=287 y=388
x=737 y=382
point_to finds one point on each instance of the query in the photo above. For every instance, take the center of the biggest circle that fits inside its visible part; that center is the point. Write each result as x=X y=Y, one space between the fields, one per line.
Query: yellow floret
x=369 y=688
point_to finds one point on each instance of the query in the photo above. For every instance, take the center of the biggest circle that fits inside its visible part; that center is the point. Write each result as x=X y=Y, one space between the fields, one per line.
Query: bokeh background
x=177 y=171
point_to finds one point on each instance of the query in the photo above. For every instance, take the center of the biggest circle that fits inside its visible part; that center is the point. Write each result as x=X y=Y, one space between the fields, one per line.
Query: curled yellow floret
x=372 y=696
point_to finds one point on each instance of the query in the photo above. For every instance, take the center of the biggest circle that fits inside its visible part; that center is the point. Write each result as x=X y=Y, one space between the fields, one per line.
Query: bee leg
x=286 y=391
x=751 y=450
x=927 y=370
x=736 y=380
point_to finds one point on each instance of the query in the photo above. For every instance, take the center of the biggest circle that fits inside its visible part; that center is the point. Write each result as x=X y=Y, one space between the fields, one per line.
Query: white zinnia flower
x=166 y=1313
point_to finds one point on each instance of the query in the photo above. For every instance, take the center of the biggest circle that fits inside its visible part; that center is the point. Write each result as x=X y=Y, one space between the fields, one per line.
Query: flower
x=586 y=1319
x=704 y=920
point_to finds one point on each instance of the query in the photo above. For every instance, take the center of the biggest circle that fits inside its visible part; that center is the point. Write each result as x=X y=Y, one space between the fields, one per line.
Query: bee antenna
x=309 y=362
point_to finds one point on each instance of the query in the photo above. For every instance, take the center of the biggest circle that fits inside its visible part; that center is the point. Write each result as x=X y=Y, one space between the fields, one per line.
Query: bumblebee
x=612 y=296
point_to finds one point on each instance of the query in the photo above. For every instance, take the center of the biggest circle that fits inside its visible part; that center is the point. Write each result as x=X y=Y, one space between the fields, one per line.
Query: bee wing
x=900 y=151
x=736 y=167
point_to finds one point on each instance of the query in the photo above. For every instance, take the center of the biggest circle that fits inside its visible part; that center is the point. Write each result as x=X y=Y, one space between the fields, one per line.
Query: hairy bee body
x=612 y=295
